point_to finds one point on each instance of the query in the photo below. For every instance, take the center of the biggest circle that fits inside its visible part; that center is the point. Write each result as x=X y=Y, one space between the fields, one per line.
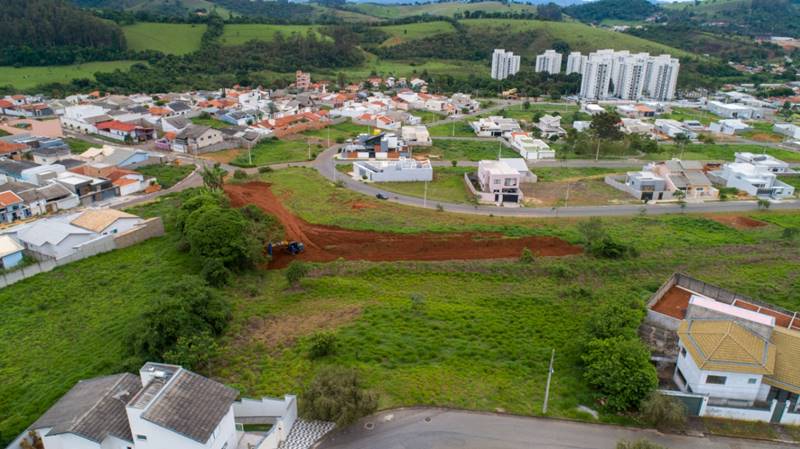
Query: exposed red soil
x=328 y=243
x=738 y=222
x=674 y=302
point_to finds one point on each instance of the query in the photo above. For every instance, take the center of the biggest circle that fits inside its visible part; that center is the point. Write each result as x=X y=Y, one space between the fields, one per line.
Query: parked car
x=382 y=196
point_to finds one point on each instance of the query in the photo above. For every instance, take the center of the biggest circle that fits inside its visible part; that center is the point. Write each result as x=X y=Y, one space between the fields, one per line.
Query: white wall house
x=729 y=127
x=417 y=135
x=401 y=170
x=495 y=126
x=787 y=129
x=79 y=118
x=763 y=161
x=531 y=149
x=499 y=183
x=732 y=110
x=756 y=181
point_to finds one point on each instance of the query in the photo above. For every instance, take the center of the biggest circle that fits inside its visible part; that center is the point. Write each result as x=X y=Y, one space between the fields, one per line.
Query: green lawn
x=341 y=131
x=28 y=77
x=550 y=174
x=409 y=68
x=480 y=340
x=427 y=116
x=721 y=152
x=420 y=30
x=273 y=151
x=459 y=128
x=78 y=146
x=447 y=186
x=438 y=9
x=210 y=122
x=167 y=174
x=235 y=34
x=466 y=150
x=169 y=38
x=700 y=115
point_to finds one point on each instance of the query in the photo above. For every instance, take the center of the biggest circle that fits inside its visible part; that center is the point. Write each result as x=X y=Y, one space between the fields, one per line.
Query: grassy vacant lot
x=240 y=33
x=27 y=77
x=420 y=30
x=481 y=340
x=551 y=174
x=78 y=146
x=169 y=38
x=460 y=128
x=700 y=115
x=447 y=186
x=580 y=37
x=341 y=131
x=273 y=151
x=722 y=152
x=410 y=68
x=762 y=132
x=210 y=122
x=466 y=150
x=167 y=174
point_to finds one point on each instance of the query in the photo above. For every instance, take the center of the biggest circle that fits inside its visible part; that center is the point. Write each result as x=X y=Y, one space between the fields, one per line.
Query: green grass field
x=169 y=38
x=409 y=68
x=437 y=9
x=78 y=146
x=210 y=122
x=466 y=150
x=420 y=30
x=240 y=33
x=28 y=77
x=459 y=128
x=720 y=152
x=480 y=340
x=447 y=186
x=273 y=151
x=338 y=132
x=167 y=174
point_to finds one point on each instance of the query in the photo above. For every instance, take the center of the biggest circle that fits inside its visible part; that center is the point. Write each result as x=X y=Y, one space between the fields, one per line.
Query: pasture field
x=236 y=34
x=169 y=38
x=167 y=174
x=28 y=77
x=437 y=9
x=466 y=150
x=274 y=151
x=447 y=186
x=480 y=338
x=420 y=30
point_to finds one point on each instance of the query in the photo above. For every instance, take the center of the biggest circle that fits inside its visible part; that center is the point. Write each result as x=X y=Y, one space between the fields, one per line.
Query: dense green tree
x=605 y=125
x=664 y=412
x=337 y=394
x=619 y=369
x=214 y=232
x=616 y=318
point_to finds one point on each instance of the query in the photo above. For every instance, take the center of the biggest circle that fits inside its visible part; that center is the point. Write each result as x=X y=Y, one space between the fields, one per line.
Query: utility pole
x=566 y=200
x=547 y=388
x=425 y=196
x=453 y=134
x=308 y=142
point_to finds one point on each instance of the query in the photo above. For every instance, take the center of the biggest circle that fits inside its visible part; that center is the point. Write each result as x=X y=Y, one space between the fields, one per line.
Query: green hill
x=601 y=10
x=752 y=17
x=169 y=38
x=448 y=9
x=240 y=33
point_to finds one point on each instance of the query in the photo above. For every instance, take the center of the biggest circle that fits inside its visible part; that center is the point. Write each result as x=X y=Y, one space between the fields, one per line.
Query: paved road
x=442 y=429
x=325 y=165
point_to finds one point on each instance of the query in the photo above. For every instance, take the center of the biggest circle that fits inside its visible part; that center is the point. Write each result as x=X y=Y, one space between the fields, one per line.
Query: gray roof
x=192 y=406
x=179 y=122
x=51 y=151
x=193 y=132
x=53 y=191
x=71 y=163
x=93 y=409
x=179 y=106
x=14 y=168
x=697 y=178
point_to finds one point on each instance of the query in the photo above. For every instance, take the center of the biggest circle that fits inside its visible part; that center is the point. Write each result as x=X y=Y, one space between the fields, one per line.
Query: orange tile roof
x=116 y=125
x=159 y=111
x=170 y=135
x=123 y=181
x=8 y=198
x=6 y=104
x=8 y=147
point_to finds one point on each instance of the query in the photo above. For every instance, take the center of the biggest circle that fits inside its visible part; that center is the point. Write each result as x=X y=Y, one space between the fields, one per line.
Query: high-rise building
x=504 y=64
x=549 y=61
x=575 y=62
x=611 y=74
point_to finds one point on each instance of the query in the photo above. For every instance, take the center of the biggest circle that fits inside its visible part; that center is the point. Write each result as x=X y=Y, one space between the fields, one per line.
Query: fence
x=152 y=227
x=697 y=405
x=281 y=413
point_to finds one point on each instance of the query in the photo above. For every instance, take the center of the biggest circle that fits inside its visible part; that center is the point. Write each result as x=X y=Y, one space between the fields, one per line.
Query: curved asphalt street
x=325 y=165
x=427 y=428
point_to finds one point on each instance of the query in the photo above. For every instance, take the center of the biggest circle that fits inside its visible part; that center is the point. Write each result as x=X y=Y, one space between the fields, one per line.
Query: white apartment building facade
x=575 y=62
x=610 y=74
x=504 y=64
x=549 y=62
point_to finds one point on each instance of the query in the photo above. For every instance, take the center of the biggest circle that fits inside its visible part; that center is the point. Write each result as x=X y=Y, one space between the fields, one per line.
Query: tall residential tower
x=504 y=64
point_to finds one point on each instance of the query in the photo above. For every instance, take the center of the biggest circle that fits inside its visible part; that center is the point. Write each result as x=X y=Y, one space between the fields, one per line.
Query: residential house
x=550 y=126
x=787 y=129
x=105 y=221
x=755 y=180
x=12 y=207
x=174 y=124
x=637 y=126
x=673 y=128
x=14 y=169
x=88 y=189
x=127 y=182
x=179 y=109
x=687 y=177
x=196 y=139
x=302 y=80
x=238 y=118
x=733 y=110
x=636 y=111
x=48 y=198
x=10 y=252
x=495 y=126
x=82 y=118
x=592 y=108
x=417 y=135
x=295 y=123
x=116 y=156
x=12 y=150
x=763 y=161
x=400 y=170
x=51 y=238
x=165 y=406
x=529 y=148
x=125 y=132
x=50 y=155
x=729 y=127
x=521 y=166
x=643 y=185
x=380 y=146
x=496 y=183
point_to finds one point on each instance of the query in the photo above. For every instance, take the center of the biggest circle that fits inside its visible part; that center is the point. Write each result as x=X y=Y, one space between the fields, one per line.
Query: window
x=510 y=182
x=752 y=381
x=497 y=181
x=681 y=377
x=225 y=446
x=717 y=380
x=683 y=352
x=141 y=437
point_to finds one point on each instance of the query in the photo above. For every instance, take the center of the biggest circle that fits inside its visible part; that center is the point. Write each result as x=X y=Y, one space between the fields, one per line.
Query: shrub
x=790 y=233
x=616 y=319
x=215 y=273
x=598 y=243
x=526 y=256
x=265 y=169
x=222 y=233
x=664 y=412
x=454 y=162
x=239 y=174
x=417 y=302
x=336 y=394
x=322 y=344
x=193 y=351
x=439 y=208
x=295 y=272
x=763 y=204
x=619 y=368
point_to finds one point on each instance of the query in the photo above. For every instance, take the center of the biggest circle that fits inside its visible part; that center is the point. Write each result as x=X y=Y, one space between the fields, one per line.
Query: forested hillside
x=600 y=10
x=751 y=17
x=53 y=23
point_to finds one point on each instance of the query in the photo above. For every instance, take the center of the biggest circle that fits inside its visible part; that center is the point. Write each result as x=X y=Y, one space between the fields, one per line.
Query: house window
x=225 y=446
x=681 y=377
x=752 y=381
x=716 y=380
x=141 y=437
x=497 y=181
x=683 y=352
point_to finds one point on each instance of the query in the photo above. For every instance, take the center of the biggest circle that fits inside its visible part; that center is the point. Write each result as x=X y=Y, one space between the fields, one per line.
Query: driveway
x=445 y=429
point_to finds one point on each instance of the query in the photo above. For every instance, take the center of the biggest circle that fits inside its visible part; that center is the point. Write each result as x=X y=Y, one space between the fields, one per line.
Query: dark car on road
x=382 y=196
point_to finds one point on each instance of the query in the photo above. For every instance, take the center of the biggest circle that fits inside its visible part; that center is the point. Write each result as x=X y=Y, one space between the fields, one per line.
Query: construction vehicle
x=292 y=247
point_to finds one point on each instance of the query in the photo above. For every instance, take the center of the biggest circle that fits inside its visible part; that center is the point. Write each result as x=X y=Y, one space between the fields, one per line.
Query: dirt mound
x=738 y=222
x=328 y=243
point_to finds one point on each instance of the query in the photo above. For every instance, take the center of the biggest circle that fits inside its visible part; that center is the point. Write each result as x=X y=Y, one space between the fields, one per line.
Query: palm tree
x=213 y=176
x=681 y=140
